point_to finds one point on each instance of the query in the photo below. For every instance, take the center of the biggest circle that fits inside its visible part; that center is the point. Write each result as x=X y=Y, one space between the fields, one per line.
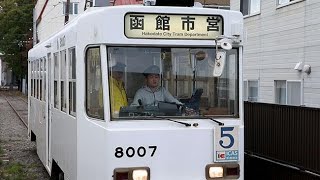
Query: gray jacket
x=151 y=98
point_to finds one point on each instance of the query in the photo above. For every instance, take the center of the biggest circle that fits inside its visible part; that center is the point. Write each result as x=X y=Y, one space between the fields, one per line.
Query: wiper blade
x=214 y=120
x=186 y=124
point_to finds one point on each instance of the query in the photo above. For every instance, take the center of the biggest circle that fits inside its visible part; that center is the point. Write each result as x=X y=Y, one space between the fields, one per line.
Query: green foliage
x=15 y=168
x=16 y=171
x=15 y=32
x=1 y=150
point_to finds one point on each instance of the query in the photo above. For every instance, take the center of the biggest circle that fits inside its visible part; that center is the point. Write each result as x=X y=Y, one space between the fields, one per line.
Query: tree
x=16 y=33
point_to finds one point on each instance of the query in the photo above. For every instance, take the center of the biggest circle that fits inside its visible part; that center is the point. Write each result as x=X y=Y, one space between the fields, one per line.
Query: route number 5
x=224 y=133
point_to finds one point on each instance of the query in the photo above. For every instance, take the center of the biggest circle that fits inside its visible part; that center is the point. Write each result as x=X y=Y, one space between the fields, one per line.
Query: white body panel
x=84 y=148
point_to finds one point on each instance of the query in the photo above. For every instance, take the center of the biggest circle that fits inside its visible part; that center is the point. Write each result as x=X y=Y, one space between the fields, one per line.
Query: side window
x=63 y=80
x=37 y=80
x=32 y=77
x=72 y=81
x=56 y=80
x=94 y=91
x=40 y=79
x=44 y=75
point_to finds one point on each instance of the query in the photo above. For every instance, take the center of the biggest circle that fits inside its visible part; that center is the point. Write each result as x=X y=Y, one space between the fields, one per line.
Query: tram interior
x=186 y=74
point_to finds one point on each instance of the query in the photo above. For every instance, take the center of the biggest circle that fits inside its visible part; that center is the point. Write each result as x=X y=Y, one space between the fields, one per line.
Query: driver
x=152 y=93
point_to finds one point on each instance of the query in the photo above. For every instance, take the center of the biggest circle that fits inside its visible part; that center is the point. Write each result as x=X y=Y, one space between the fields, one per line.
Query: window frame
x=41 y=79
x=246 y=91
x=286 y=95
x=32 y=78
x=44 y=80
x=56 y=59
x=37 y=80
x=63 y=71
x=237 y=90
x=103 y=118
x=72 y=8
x=249 y=14
x=287 y=3
x=301 y=90
x=73 y=80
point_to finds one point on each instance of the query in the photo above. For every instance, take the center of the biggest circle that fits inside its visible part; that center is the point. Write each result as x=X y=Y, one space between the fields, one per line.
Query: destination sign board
x=173 y=26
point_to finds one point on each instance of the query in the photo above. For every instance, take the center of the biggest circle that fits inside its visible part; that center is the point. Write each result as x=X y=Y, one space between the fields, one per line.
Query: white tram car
x=199 y=53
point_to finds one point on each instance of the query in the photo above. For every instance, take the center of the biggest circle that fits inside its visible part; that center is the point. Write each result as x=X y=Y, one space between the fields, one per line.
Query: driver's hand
x=190 y=112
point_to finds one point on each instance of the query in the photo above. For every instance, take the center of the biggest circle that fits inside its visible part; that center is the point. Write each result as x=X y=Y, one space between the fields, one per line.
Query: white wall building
x=278 y=35
x=50 y=16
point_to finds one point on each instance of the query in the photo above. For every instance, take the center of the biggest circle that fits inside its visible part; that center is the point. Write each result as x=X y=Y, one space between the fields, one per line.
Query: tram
x=195 y=131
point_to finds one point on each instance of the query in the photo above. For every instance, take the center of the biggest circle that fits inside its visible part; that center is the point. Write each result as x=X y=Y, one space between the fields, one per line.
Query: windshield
x=179 y=82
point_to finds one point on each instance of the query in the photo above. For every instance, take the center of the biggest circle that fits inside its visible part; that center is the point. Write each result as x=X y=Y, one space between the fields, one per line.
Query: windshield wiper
x=163 y=118
x=214 y=120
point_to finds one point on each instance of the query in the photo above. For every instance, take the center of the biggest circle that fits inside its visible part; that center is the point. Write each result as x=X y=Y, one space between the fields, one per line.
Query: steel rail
x=16 y=111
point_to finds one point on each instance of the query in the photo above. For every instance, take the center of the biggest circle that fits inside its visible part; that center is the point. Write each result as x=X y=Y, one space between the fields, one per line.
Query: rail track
x=18 y=104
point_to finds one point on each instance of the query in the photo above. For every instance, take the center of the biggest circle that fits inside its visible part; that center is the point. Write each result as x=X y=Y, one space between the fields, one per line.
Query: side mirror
x=220 y=58
x=219 y=63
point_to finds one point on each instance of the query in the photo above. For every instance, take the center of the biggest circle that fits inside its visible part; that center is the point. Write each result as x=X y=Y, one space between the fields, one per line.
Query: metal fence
x=286 y=134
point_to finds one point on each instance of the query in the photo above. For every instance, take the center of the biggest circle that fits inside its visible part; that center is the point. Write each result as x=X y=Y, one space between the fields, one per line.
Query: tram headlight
x=133 y=173
x=214 y=171
x=222 y=170
x=140 y=174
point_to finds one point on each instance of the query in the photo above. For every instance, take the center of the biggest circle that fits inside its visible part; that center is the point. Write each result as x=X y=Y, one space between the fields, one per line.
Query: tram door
x=49 y=106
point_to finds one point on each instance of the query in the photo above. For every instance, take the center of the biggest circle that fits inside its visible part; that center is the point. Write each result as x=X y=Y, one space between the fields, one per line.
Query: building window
x=288 y=92
x=245 y=90
x=280 y=2
x=250 y=7
x=213 y=6
x=251 y=90
x=294 y=93
x=73 y=8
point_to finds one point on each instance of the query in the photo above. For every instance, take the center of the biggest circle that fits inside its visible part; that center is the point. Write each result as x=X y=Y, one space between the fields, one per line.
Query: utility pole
x=66 y=17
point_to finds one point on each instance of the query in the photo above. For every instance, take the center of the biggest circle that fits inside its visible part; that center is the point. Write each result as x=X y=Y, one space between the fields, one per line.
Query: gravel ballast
x=18 y=157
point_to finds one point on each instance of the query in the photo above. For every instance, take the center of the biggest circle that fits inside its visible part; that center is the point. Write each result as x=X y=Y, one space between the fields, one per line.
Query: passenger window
x=63 y=80
x=40 y=79
x=37 y=80
x=56 y=80
x=72 y=81
x=32 y=77
x=44 y=79
x=94 y=92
